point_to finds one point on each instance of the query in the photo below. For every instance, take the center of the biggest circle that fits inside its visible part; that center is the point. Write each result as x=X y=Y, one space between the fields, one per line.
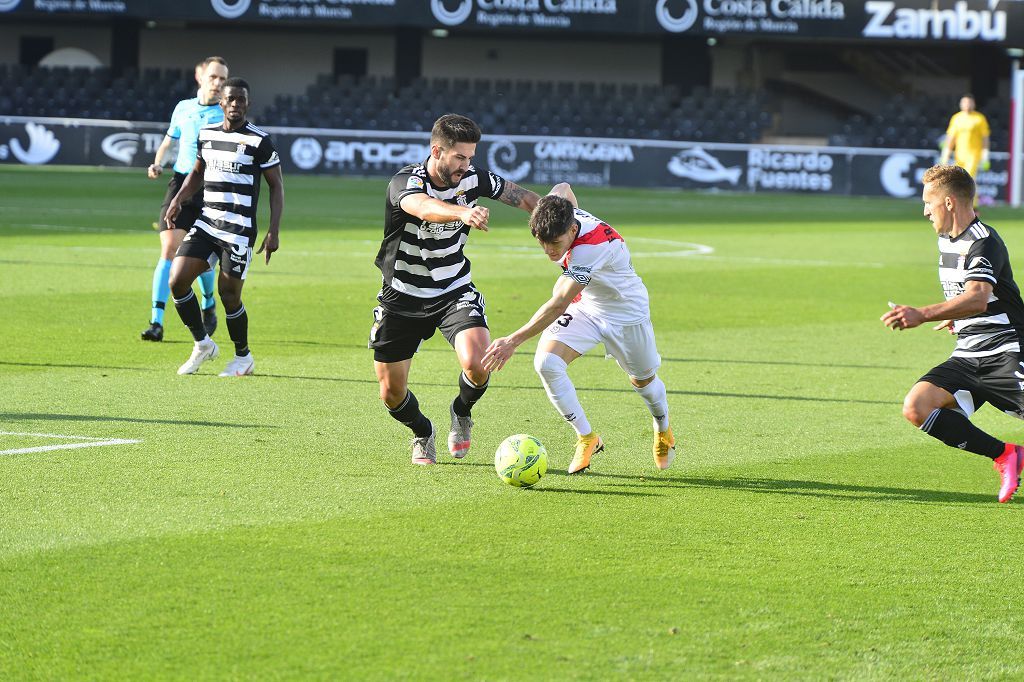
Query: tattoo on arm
x=513 y=194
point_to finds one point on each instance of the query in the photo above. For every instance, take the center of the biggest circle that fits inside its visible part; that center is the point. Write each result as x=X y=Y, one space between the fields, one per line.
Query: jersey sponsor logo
x=439 y=228
x=43 y=145
x=8 y=5
x=501 y=156
x=225 y=166
x=959 y=23
x=697 y=165
x=230 y=9
x=306 y=153
x=675 y=24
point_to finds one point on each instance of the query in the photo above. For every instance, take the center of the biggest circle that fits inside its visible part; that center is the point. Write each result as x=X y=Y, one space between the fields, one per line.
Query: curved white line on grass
x=678 y=249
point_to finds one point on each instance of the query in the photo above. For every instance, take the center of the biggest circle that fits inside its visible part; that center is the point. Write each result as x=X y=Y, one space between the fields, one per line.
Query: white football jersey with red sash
x=600 y=259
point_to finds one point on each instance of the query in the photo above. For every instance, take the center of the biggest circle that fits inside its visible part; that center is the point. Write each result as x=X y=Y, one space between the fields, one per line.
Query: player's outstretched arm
x=564 y=190
x=275 y=181
x=501 y=350
x=974 y=300
x=518 y=197
x=436 y=211
x=193 y=182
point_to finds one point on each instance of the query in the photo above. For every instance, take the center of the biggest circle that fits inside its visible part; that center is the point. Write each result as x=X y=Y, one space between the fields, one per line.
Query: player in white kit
x=598 y=299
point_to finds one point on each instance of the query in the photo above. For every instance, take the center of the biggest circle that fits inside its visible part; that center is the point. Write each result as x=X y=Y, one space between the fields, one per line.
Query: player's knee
x=230 y=299
x=914 y=412
x=640 y=383
x=549 y=366
x=179 y=285
x=391 y=395
x=477 y=374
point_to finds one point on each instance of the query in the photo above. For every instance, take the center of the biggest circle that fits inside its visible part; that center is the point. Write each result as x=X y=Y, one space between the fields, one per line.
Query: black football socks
x=408 y=412
x=238 y=330
x=469 y=393
x=191 y=315
x=957 y=431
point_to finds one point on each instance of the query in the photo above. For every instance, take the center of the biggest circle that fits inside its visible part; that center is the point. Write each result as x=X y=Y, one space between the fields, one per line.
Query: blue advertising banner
x=584 y=161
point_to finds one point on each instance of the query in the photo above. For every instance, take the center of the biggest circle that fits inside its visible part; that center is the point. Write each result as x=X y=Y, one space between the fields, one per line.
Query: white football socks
x=561 y=392
x=656 y=397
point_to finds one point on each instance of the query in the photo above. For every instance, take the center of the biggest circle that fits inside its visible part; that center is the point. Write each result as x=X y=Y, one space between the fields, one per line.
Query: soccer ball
x=521 y=460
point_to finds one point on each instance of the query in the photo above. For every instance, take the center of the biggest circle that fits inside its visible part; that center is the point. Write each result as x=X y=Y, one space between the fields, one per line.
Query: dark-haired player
x=598 y=299
x=232 y=157
x=983 y=308
x=427 y=285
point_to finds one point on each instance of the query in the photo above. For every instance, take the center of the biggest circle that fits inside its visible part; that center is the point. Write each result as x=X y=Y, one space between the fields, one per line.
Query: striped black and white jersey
x=979 y=254
x=235 y=161
x=420 y=261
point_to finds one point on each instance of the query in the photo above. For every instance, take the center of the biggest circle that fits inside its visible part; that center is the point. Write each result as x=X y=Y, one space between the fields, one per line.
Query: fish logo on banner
x=697 y=165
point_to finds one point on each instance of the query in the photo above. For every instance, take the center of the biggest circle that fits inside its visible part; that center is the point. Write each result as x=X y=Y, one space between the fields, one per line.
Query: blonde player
x=967 y=137
x=598 y=299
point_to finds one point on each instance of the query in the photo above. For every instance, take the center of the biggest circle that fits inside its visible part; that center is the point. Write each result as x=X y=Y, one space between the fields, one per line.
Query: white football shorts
x=631 y=345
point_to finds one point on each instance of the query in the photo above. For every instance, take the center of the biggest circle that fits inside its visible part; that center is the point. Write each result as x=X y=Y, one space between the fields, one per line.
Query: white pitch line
x=69 y=446
x=92 y=442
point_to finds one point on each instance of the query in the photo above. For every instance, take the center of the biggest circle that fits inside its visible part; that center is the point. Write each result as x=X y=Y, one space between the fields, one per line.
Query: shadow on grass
x=594 y=389
x=541 y=488
x=40 y=416
x=599 y=356
x=545 y=488
x=829 y=491
x=73 y=366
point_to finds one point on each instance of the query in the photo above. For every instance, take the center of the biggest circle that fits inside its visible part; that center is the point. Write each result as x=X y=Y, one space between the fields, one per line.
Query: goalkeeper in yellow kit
x=967 y=137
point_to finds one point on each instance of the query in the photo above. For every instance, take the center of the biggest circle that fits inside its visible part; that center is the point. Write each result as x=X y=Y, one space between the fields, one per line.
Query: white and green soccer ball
x=521 y=460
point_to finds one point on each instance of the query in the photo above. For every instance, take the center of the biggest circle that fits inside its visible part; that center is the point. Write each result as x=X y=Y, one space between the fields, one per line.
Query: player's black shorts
x=234 y=259
x=190 y=210
x=395 y=337
x=996 y=379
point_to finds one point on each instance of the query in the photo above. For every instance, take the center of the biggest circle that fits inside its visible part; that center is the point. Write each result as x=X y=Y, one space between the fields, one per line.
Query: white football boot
x=204 y=350
x=239 y=366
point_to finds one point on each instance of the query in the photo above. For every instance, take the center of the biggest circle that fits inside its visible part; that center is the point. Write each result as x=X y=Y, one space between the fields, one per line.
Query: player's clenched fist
x=477 y=217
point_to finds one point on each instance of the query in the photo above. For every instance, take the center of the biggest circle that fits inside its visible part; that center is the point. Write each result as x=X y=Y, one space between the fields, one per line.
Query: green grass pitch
x=273 y=528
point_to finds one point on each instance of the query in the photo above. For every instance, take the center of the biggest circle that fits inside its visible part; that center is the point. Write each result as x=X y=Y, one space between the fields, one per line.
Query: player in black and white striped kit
x=426 y=280
x=983 y=307
x=232 y=158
